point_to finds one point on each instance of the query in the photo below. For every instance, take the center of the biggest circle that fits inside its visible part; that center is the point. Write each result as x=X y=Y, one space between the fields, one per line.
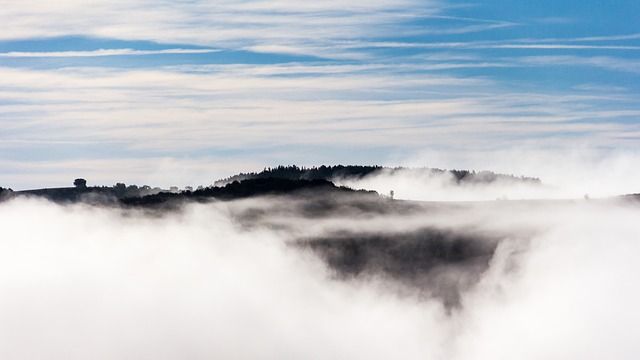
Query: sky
x=186 y=92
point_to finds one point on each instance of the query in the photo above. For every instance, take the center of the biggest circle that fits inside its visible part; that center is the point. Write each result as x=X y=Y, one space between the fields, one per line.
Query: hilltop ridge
x=279 y=180
x=332 y=173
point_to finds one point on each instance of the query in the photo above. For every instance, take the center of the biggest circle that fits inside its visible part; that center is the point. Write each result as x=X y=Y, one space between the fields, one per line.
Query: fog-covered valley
x=294 y=179
x=320 y=275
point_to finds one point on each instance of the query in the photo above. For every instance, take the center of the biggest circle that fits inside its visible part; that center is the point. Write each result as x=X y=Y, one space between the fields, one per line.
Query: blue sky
x=186 y=92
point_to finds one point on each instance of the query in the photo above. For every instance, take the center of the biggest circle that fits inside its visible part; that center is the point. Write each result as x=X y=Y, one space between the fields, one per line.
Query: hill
x=146 y=196
x=332 y=173
x=248 y=188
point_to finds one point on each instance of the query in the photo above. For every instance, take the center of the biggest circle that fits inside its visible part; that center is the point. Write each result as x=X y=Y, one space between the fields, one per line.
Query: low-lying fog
x=426 y=185
x=316 y=278
x=254 y=279
x=564 y=174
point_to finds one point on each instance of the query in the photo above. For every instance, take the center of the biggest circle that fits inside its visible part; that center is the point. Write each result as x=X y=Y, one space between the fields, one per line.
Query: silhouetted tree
x=119 y=190
x=5 y=193
x=80 y=183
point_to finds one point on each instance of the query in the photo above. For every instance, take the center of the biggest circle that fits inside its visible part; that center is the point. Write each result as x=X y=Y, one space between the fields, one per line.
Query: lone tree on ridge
x=80 y=183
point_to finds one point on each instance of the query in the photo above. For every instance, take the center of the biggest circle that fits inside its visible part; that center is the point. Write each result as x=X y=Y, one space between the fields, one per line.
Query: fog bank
x=566 y=173
x=429 y=185
x=211 y=281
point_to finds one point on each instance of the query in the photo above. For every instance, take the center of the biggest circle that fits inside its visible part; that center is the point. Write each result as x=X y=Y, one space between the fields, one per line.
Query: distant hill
x=90 y=194
x=249 y=188
x=146 y=196
x=294 y=172
x=332 y=173
x=279 y=180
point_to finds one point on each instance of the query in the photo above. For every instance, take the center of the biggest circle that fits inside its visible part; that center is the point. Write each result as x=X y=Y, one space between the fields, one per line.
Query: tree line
x=330 y=173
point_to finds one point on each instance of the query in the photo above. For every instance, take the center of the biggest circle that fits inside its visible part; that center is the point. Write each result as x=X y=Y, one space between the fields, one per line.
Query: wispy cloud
x=555 y=46
x=601 y=88
x=587 y=38
x=229 y=24
x=105 y=52
x=477 y=45
x=605 y=62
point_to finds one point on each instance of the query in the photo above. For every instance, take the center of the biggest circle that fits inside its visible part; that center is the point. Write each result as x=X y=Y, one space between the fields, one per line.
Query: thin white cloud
x=291 y=27
x=476 y=45
x=232 y=24
x=466 y=28
x=605 y=62
x=599 y=88
x=103 y=52
x=557 y=46
x=586 y=39
x=488 y=21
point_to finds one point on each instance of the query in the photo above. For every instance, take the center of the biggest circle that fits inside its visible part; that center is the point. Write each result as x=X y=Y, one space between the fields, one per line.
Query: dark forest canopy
x=331 y=173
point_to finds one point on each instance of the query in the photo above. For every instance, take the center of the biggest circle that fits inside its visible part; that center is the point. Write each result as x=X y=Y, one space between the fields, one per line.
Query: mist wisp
x=317 y=278
x=429 y=185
